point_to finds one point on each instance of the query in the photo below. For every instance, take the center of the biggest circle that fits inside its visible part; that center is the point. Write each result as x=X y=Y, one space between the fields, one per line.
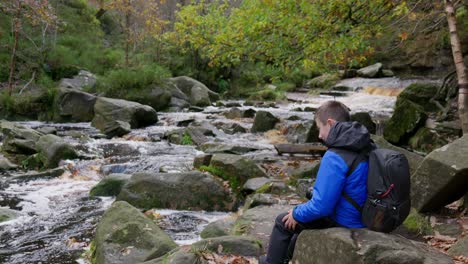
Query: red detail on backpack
x=388 y=191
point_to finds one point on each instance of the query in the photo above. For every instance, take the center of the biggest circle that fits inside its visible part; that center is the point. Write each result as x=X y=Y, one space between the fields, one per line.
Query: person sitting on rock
x=327 y=206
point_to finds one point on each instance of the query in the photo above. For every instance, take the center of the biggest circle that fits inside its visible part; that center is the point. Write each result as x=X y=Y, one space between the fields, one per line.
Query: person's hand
x=289 y=221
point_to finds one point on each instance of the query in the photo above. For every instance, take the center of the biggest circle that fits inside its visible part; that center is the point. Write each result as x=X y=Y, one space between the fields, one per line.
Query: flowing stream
x=58 y=218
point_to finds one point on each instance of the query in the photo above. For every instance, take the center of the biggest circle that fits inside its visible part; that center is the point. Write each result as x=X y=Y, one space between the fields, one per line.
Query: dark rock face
x=182 y=191
x=405 y=121
x=51 y=149
x=108 y=110
x=441 y=177
x=73 y=105
x=264 y=121
x=340 y=245
x=125 y=235
x=197 y=92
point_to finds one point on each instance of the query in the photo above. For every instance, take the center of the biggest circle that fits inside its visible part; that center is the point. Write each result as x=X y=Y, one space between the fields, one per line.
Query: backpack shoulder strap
x=361 y=156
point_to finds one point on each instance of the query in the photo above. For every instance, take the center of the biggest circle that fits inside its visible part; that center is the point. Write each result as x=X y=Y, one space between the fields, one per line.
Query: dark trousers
x=283 y=240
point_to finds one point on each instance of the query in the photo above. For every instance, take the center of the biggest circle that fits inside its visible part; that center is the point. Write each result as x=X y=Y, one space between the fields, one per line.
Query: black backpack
x=388 y=190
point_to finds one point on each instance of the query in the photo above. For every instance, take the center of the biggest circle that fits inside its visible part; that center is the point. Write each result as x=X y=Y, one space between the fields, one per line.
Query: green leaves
x=316 y=35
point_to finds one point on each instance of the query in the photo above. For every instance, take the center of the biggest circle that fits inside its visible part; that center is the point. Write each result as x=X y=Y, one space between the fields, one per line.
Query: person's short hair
x=332 y=110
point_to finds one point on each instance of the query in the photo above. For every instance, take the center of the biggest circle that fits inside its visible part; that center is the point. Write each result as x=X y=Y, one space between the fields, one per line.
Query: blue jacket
x=344 y=140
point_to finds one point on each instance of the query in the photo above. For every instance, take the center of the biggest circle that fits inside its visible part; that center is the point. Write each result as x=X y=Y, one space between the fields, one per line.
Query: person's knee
x=279 y=219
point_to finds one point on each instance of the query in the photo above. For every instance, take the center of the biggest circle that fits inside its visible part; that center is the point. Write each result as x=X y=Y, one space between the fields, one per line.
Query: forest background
x=234 y=47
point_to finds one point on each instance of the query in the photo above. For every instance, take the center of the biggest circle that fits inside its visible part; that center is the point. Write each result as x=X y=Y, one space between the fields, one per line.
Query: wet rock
x=226 y=148
x=233 y=128
x=34 y=175
x=108 y=110
x=125 y=235
x=218 y=228
x=460 y=248
x=371 y=71
x=183 y=191
x=196 y=109
x=302 y=132
x=414 y=159
x=235 y=245
x=47 y=130
x=441 y=177
x=7 y=214
x=254 y=184
x=177 y=104
x=202 y=160
x=365 y=119
x=116 y=128
x=264 y=121
x=114 y=168
x=73 y=105
x=388 y=73
x=341 y=245
x=294 y=118
x=233 y=113
x=175 y=136
x=258 y=222
x=236 y=168
x=420 y=93
x=52 y=149
x=19 y=139
x=233 y=104
x=323 y=81
x=111 y=185
x=5 y=164
x=258 y=199
x=185 y=122
x=198 y=93
x=199 y=135
x=80 y=81
x=405 y=121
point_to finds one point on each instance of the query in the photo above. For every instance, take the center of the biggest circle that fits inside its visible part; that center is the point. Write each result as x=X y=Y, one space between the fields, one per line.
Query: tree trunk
x=459 y=65
x=16 y=29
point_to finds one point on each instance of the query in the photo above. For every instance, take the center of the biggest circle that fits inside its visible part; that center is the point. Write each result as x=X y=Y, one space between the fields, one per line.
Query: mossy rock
x=110 y=185
x=323 y=81
x=225 y=245
x=264 y=121
x=426 y=140
x=418 y=223
x=125 y=235
x=218 y=228
x=181 y=191
x=266 y=95
x=420 y=93
x=7 y=214
x=405 y=121
x=52 y=149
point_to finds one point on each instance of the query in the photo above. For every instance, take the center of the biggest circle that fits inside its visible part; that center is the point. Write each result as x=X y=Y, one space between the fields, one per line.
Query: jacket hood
x=349 y=135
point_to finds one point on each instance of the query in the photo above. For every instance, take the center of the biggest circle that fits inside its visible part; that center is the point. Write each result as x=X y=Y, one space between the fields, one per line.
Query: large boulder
x=264 y=121
x=161 y=97
x=197 y=92
x=51 y=149
x=19 y=139
x=125 y=235
x=421 y=94
x=371 y=71
x=441 y=178
x=426 y=140
x=109 y=110
x=235 y=168
x=182 y=191
x=405 y=121
x=323 y=81
x=354 y=246
x=111 y=185
x=6 y=164
x=72 y=105
x=302 y=132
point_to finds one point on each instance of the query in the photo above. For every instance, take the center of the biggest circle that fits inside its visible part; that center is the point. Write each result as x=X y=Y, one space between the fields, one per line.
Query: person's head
x=328 y=114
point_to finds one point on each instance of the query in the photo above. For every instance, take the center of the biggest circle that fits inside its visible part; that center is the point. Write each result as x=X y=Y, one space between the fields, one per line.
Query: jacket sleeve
x=327 y=189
